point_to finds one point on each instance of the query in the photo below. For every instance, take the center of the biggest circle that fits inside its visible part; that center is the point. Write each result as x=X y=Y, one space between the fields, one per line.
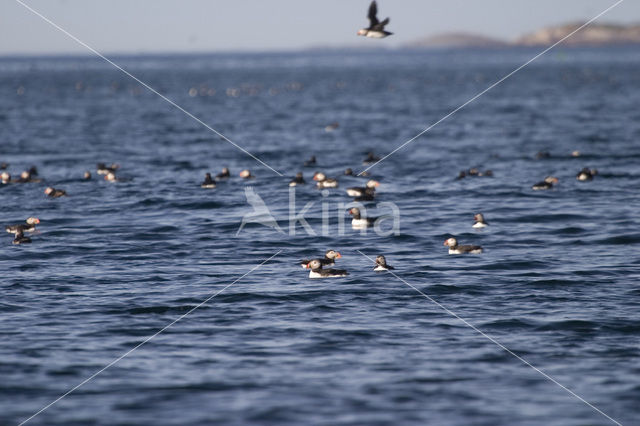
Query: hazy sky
x=221 y=25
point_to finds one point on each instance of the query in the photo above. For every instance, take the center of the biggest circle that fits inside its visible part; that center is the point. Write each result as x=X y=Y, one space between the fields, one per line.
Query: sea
x=153 y=301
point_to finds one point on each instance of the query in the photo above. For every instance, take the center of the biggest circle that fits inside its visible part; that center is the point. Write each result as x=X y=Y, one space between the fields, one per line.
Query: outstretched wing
x=380 y=26
x=373 y=11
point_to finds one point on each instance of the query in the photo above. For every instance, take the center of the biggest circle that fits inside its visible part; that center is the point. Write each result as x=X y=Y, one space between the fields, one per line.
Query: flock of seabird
x=376 y=29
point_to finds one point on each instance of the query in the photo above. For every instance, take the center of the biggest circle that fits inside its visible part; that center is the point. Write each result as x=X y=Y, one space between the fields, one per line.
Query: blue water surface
x=113 y=263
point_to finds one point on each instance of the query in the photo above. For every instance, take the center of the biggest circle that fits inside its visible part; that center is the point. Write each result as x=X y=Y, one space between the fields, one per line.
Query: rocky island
x=592 y=35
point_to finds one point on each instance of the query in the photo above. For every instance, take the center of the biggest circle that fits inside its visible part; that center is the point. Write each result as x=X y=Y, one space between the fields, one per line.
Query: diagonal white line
x=492 y=86
x=77 y=40
x=468 y=324
x=112 y=363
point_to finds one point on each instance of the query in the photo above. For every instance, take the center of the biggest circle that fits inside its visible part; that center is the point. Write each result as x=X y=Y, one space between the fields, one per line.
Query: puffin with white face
x=479 y=221
x=329 y=259
x=28 y=226
x=359 y=222
x=317 y=271
x=324 y=181
x=547 y=183
x=359 y=191
x=246 y=174
x=376 y=28
x=454 y=248
x=55 y=193
x=382 y=265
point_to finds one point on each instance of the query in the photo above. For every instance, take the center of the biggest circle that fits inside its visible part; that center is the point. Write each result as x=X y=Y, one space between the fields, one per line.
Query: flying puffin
x=376 y=28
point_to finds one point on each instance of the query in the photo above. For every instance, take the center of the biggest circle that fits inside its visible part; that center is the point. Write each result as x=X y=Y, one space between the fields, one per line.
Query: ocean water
x=114 y=263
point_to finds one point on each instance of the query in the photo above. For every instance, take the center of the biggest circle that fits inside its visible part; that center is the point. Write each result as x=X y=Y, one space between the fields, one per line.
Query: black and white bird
x=28 y=226
x=376 y=28
x=324 y=181
x=298 y=180
x=455 y=248
x=359 y=191
x=224 y=174
x=55 y=193
x=382 y=265
x=479 y=221
x=329 y=259
x=359 y=222
x=317 y=271
x=208 y=182
x=586 y=174
x=547 y=183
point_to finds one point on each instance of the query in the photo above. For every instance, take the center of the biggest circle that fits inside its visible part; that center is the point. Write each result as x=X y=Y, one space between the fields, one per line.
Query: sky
x=157 y=26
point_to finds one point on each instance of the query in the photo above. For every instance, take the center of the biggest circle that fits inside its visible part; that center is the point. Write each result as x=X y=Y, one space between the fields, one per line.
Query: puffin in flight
x=376 y=28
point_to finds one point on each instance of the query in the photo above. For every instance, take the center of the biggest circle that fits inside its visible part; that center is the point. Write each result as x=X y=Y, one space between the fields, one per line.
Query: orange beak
x=445 y=243
x=307 y=266
x=37 y=220
x=338 y=255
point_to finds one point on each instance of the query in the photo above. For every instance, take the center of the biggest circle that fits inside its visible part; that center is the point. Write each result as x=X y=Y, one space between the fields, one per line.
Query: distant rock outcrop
x=592 y=35
x=450 y=40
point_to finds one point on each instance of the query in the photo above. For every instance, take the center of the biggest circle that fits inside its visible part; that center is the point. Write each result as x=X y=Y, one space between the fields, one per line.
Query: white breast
x=353 y=193
x=379 y=268
x=376 y=34
x=479 y=225
x=313 y=274
x=359 y=223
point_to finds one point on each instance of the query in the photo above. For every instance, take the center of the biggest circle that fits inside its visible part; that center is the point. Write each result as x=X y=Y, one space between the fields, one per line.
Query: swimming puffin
x=111 y=177
x=55 y=193
x=86 y=175
x=103 y=169
x=208 y=183
x=20 y=238
x=5 y=178
x=225 y=174
x=376 y=28
x=586 y=174
x=317 y=271
x=311 y=161
x=329 y=259
x=246 y=174
x=26 y=176
x=547 y=183
x=359 y=222
x=454 y=248
x=28 y=226
x=324 y=181
x=298 y=180
x=479 y=221
x=382 y=265
x=359 y=191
